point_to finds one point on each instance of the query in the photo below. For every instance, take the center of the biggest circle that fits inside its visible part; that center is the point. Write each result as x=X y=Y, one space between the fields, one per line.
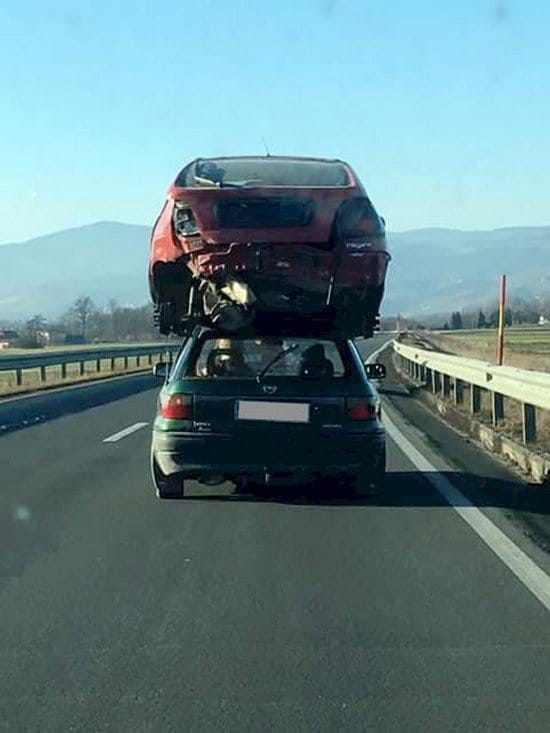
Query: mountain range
x=432 y=270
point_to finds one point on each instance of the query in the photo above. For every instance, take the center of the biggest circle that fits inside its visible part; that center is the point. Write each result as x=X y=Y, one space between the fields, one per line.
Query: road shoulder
x=521 y=509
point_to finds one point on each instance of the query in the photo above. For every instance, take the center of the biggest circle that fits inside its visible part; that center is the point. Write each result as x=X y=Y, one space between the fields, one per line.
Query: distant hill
x=439 y=270
x=44 y=275
x=432 y=270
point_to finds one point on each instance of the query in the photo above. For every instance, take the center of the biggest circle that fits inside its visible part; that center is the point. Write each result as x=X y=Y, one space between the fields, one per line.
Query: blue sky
x=442 y=108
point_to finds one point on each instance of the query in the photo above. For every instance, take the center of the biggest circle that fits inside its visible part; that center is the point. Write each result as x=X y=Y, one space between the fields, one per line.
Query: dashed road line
x=124 y=433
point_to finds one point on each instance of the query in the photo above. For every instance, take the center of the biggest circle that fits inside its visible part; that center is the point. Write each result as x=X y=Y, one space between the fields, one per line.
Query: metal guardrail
x=22 y=362
x=449 y=375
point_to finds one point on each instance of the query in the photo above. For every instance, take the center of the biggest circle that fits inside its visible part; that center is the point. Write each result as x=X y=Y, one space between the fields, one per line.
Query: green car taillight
x=176 y=406
x=361 y=409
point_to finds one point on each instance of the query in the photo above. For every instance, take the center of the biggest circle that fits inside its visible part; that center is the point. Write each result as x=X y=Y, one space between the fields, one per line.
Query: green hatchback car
x=255 y=410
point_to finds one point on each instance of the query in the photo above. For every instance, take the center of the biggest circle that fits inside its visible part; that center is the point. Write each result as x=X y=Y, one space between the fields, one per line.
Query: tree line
x=85 y=322
x=524 y=314
x=517 y=313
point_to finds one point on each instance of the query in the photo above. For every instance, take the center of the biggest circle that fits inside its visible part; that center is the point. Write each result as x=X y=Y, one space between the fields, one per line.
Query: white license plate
x=273 y=411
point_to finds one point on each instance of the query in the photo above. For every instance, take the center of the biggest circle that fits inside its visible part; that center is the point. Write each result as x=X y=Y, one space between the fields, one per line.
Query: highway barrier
x=113 y=357
x=452 y=376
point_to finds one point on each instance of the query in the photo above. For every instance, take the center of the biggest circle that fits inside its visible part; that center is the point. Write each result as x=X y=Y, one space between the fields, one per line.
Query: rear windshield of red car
x=270 y=172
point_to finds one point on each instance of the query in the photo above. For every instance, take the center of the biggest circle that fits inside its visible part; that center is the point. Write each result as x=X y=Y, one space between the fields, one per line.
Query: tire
x=372 y=478
x=166 y=487
x=164 y=318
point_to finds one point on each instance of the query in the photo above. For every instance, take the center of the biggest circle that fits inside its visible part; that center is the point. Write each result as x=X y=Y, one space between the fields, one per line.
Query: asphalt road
x=292 y=612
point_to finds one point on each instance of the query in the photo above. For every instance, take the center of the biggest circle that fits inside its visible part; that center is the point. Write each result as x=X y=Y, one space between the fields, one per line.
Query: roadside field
x=525 y=348
x=9 y=353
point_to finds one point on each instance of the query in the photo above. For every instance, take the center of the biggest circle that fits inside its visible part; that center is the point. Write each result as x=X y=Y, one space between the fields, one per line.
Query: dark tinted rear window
x=271 y=172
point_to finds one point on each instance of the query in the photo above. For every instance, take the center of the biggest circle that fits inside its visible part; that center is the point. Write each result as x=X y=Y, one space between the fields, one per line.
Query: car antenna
x=266 y=148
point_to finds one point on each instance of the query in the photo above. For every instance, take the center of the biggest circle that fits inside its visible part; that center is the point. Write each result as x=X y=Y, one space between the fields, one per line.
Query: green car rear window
x=246 y=358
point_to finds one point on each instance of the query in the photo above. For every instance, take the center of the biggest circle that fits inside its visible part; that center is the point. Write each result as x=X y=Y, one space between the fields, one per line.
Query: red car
x=269 y=242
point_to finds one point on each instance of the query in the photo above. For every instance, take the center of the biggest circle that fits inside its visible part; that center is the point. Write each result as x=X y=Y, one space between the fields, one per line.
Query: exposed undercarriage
x=254 y=301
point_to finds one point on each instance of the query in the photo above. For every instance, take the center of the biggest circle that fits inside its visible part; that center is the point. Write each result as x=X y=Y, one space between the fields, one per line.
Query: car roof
x=297 y=158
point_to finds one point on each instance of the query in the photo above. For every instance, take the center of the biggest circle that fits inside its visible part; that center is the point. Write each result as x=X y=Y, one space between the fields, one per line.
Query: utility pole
x=501 y=311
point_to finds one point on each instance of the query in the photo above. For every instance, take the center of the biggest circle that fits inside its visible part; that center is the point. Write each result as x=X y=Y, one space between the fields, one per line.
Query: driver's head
x=314 y=354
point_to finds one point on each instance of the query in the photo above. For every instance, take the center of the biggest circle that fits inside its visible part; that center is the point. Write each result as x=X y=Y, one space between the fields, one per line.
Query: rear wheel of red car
x=167 y=486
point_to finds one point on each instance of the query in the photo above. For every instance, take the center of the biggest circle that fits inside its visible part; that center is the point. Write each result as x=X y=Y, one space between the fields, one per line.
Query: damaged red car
x=268 y=242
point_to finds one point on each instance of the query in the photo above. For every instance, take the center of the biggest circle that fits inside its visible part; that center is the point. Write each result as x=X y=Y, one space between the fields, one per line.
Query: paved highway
x=291 y=612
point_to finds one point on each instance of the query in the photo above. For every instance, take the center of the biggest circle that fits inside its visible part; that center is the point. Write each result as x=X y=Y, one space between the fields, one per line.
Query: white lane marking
x=523 y=567
x=124 y=433
x=375 y=354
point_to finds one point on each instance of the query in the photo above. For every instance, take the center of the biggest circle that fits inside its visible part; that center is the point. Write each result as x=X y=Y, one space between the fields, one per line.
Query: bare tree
x=33 y=327
x=83 y=307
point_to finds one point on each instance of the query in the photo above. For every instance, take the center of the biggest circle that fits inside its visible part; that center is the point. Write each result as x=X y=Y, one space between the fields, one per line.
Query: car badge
x=269 y=388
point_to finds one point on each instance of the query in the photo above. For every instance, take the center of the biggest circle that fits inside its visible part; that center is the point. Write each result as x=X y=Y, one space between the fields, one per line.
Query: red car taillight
x=361 y=409
x=184 y=220
x=176 y=406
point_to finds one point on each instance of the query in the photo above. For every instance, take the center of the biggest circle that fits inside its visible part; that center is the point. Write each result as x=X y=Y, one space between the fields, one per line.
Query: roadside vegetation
x=83 y=323
x=525 y=348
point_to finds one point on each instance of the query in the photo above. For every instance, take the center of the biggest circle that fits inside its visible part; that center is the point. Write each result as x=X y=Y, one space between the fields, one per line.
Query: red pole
x=501 y=310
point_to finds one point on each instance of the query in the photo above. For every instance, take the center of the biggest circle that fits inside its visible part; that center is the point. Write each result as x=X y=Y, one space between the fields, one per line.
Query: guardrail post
x=64 y=370
x=529 y=415
x=138 y=360
x=150 y=359
x=98 y=365
x=458 y=388
x=42 y=373
x=434 y=381
x=19 y=377
x=497 y=402
x=82 y=368
x=126 y=362
x=475 y=399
